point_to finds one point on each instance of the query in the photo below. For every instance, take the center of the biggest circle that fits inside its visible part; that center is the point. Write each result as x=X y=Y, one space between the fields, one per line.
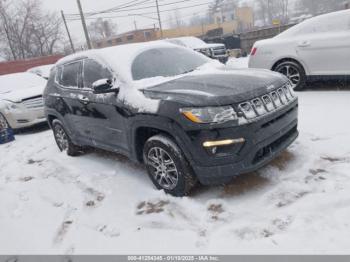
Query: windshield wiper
x=188 y=71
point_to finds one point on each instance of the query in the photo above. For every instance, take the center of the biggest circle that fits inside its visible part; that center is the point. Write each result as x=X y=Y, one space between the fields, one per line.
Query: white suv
x=316 y=48
x=21 y=101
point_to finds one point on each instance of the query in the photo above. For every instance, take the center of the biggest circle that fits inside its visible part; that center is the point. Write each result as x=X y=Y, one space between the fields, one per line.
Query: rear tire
x=63 y=141
x=294 y=72
x=167 y=166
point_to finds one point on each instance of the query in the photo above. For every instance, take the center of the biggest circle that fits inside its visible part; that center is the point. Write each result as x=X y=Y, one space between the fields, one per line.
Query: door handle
x=84 y=100
x=304 y=43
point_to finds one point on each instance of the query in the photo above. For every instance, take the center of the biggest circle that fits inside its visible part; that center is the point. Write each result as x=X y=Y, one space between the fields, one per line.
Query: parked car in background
x=21 y=102
x=316 y=48
x=43 y=71
x=215 y=51
x=184 y=116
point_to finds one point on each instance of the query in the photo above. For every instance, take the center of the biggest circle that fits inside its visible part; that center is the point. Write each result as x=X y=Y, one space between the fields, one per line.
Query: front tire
x=63 y=141
x=294 y=72
x=167 y=166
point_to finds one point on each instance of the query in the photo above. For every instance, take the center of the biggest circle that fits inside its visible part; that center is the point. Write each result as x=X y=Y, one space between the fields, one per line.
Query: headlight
x=10 y=106
x=210 y=114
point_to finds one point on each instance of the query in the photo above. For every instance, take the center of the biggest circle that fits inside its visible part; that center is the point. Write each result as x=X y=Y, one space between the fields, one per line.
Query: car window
x=94 y=71
x=166 y=62
x=68 y=75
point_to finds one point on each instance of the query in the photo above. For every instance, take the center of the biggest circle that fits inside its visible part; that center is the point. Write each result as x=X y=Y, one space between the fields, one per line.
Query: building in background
x=135 y=36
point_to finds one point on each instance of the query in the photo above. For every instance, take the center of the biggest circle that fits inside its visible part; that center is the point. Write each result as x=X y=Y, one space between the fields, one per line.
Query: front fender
x=162 y=124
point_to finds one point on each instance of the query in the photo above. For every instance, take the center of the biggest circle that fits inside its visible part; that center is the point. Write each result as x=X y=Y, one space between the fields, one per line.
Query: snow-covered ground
x=101 y=203
x=238 y=62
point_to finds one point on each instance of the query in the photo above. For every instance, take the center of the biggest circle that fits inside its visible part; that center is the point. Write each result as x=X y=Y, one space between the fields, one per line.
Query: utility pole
x=88 y=42
x=135 y=24
x=70 y=38
x=159 y=20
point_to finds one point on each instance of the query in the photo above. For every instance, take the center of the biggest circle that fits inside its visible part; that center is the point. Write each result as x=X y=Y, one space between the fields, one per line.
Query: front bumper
x=223 y=59
x=264 y=140
x=24 y=118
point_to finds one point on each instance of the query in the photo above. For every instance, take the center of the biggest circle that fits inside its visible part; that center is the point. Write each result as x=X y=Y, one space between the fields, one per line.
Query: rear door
x=324 y=46
x=106 y=118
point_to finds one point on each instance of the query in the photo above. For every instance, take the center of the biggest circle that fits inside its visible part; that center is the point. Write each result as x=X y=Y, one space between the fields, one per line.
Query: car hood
x=17 y=96
x=219 y=88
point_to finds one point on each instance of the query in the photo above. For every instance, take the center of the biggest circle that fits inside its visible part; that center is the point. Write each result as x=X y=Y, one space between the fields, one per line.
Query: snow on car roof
x=118 y=58
x=188 y=41
x=19 y=81
x=340 y=20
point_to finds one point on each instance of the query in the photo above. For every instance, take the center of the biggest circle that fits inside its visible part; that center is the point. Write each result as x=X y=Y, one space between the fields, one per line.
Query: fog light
x=223 y=142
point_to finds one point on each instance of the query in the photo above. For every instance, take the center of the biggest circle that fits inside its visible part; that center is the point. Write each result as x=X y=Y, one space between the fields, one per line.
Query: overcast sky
x=124 y=24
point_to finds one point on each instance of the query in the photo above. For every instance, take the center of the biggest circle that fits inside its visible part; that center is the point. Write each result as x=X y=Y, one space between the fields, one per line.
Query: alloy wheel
x=164 y=168
x=292 y=73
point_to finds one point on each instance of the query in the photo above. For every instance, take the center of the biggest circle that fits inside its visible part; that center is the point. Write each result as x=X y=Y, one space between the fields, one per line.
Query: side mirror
x=104 y=86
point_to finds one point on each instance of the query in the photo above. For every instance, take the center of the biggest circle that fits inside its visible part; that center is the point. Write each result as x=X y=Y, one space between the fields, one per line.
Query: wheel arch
x=143 y=132
x=50 y=119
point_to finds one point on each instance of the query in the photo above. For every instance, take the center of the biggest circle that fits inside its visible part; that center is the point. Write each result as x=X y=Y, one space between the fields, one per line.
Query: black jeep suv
x=185 y=117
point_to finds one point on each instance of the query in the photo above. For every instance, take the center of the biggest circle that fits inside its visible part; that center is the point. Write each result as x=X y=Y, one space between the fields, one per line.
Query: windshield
x=19 y=81
x=166 y=62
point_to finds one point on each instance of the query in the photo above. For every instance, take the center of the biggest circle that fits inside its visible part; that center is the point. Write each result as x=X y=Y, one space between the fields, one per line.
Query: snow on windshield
x=19 y=81
x=166 y=62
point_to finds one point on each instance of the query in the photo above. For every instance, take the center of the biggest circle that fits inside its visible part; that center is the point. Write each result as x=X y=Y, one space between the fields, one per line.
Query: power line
x=147 y=7
x=183 y=16
x=142 y=14
x=113 y=9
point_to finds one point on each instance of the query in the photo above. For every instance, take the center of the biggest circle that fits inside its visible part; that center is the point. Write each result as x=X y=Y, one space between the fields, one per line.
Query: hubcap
x=61 y=138
x=292 y=73
x=164 y=169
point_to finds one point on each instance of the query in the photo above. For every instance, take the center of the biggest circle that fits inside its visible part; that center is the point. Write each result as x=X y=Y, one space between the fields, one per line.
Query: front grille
x=22 y=121
x=219 y=51
x=266 y=151
x=33 y=102
x=268 y=103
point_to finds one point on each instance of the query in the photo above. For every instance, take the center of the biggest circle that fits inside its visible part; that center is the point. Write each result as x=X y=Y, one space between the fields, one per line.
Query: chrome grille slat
x=270 y=102
x=34 y=103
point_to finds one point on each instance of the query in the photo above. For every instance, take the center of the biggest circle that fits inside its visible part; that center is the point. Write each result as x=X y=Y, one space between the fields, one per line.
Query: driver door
x=106 y=124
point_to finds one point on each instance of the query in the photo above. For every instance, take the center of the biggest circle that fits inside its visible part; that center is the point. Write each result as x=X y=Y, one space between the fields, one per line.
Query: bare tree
x=315 y=7
x=268 y=10
x=175 y=20
x=28 y=32
x=102 y=28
